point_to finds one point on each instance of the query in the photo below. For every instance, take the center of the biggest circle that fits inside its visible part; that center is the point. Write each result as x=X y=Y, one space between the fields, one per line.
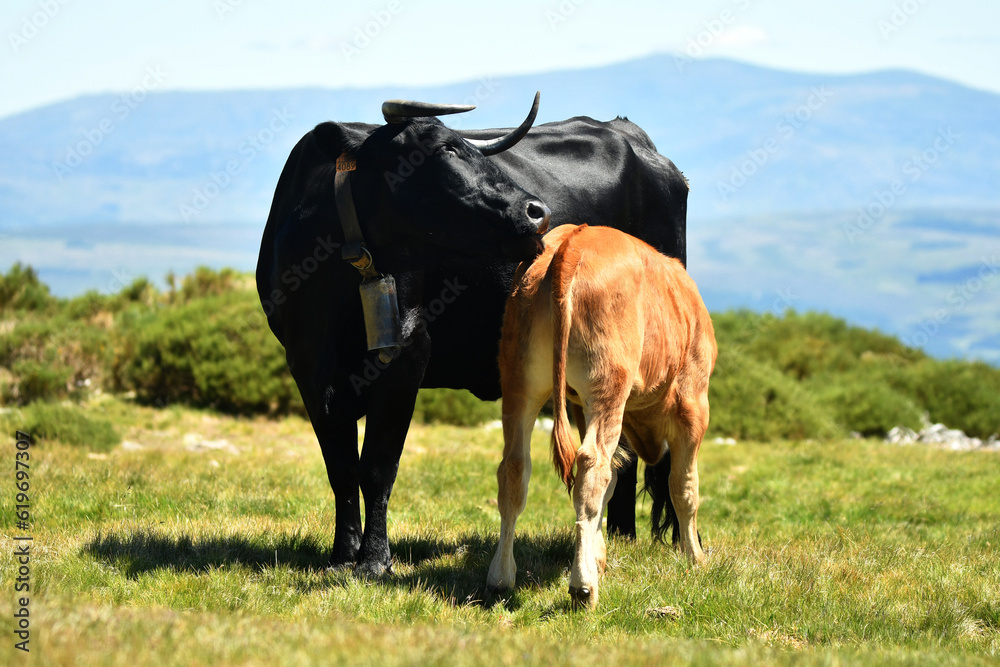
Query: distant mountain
x=753 y=141
x=873 y=196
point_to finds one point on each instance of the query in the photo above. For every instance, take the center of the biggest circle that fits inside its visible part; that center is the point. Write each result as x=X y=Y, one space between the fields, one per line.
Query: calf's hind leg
x=513 y=475
x=689 y=430
x=590 y=492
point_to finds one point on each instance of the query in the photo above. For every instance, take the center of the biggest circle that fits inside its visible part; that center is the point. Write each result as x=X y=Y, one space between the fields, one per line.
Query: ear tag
x=346 y=163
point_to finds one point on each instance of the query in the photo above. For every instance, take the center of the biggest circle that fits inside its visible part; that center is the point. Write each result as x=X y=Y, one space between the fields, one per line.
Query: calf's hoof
x=498 y=585
x=501 y=591
x=582 y=597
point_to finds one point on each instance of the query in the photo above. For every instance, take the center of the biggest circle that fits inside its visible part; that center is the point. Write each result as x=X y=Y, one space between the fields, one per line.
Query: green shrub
x=807 y=344
x=35 y=380
x=453 y=406
x=141 y=291
x=68 y=424
x=215 y=351
x=206 y=343
x=92 y=304
x=53 y=358
x=867 y=404
x=751 y=400
x=20 y=289
x=87 y=305
x=208 y=282
x=959 y=394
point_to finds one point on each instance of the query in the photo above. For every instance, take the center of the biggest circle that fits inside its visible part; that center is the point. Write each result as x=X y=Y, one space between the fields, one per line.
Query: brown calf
x=620 y=328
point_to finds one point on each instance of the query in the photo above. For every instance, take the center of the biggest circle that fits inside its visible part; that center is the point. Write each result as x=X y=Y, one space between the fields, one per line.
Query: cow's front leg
x=338 y=439
x=389 y=410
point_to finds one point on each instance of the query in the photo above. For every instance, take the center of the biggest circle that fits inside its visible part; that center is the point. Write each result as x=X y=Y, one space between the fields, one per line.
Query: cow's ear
x=337 y=138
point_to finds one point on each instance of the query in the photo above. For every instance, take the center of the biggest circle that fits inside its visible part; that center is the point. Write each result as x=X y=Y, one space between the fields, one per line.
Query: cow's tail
x=662 y=513
x=563 y=267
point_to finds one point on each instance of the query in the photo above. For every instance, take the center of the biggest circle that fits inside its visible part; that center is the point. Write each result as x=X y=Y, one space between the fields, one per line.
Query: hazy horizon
x=60 y=50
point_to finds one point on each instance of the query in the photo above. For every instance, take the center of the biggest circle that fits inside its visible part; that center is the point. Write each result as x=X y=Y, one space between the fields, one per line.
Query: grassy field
x=202 y=540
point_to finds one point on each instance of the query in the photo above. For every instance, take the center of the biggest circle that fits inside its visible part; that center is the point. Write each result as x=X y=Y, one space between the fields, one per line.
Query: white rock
x=900 y=435
x=195 y=443
x=938 y=435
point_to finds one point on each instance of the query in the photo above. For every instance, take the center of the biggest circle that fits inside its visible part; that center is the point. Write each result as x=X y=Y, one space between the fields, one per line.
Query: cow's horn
x=500 y=144
x=395 y=111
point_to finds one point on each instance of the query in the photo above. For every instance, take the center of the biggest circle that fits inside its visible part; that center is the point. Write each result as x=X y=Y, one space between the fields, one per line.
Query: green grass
x=187 y=550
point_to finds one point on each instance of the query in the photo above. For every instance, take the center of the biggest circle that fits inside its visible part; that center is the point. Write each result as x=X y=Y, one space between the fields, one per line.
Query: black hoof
x=372 y=570
x=580 y=597
x=339 y=566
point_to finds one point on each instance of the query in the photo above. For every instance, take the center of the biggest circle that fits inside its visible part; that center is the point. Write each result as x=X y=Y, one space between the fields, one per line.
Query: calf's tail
x=564 y=264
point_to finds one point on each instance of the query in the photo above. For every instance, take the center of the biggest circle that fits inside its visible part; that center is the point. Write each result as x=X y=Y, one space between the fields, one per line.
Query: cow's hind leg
x=621 y=507
x=690 y=425
x=662 y=515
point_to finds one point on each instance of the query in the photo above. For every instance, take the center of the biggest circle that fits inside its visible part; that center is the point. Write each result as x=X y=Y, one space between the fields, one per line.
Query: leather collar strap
x=353 y=250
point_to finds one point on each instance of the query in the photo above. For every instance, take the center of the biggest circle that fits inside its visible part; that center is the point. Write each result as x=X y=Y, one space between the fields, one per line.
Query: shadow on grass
x=142 y=551
x=454 y=569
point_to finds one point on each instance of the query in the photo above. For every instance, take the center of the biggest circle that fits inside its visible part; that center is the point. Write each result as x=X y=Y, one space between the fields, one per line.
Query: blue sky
x=59 y=49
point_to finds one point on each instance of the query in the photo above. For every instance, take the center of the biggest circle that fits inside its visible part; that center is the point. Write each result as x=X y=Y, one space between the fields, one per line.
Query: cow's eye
x=449 y=150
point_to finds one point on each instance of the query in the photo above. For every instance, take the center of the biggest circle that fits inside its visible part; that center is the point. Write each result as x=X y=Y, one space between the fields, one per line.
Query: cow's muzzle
x=538 y=215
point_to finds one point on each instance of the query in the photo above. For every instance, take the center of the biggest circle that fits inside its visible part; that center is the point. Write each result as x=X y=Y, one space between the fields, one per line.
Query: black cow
x=450 y=225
